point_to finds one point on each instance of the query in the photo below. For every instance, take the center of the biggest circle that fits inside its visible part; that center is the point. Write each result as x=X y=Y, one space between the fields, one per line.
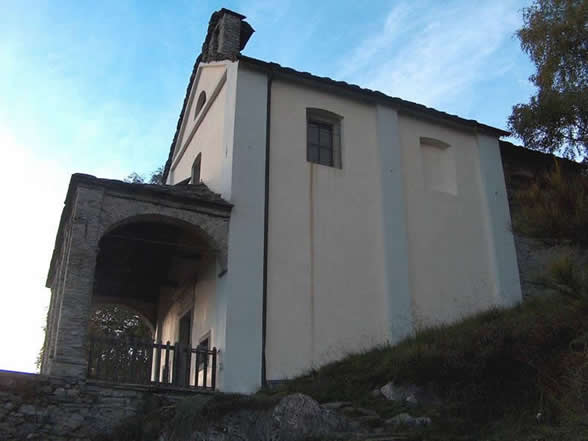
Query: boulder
x=409 y=394
x=295 y=418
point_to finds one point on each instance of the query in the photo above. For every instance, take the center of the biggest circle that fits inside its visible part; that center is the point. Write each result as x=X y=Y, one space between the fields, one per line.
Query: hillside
x=492 y=374
x=516 y=374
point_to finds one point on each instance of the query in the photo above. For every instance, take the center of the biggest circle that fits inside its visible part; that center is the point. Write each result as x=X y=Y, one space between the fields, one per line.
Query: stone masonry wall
x=37 y=407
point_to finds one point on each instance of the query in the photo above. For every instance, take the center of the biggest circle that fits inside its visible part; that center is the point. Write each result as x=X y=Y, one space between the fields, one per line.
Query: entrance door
x=183 y=372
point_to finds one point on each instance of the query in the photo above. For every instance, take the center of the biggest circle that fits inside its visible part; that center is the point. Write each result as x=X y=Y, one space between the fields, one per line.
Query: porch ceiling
x=135 y=260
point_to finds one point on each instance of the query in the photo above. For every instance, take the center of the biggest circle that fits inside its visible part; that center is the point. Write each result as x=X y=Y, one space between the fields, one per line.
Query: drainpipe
x=265 y=226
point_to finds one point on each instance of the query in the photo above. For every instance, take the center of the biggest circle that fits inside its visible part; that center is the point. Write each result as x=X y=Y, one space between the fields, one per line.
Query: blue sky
x=97 y=87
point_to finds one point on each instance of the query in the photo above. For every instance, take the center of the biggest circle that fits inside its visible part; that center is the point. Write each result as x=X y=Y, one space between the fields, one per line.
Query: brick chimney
x=227 y=35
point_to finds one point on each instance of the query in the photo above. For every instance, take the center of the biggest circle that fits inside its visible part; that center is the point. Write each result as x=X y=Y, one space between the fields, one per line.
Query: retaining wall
x=38 y=407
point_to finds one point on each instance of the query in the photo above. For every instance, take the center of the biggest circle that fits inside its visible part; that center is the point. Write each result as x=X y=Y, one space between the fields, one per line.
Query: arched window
x=196 y=169
x=200 y=103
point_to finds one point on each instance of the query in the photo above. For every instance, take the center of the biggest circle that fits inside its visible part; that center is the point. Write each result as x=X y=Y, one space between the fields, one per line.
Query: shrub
x=554 y=207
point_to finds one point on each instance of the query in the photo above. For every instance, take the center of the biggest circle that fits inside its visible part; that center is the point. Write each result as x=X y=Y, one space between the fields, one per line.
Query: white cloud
x=32 y=195
x=433 y=53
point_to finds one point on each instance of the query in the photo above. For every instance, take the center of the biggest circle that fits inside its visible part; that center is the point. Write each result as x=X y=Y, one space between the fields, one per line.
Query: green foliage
x=118 y=348
x=109 y=320
x=566 y=276
x=554 y=207
x=155 y=178
x=555 y=36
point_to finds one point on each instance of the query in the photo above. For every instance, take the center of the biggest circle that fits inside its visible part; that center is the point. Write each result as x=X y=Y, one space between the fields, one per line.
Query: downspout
x=265 y=226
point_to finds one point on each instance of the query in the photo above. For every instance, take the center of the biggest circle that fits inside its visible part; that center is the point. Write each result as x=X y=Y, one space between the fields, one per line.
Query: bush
x=554 y=207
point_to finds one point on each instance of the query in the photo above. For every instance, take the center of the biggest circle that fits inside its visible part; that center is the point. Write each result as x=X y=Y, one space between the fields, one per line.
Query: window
x=200 y=103
x=196 y=169
x=323 y=137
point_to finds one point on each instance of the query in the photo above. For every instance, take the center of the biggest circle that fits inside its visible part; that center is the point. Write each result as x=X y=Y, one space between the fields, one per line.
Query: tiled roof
x=341 y=87
x=372 y=95
x=193 y=192
x=179 y=124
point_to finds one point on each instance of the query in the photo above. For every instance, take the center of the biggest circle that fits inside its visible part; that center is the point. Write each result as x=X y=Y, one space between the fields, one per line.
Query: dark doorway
x=184 y=340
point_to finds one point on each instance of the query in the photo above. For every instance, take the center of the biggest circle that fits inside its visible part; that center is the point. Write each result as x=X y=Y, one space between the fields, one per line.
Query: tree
x=155 y=178
x=555 y=36
x=111 y=320
x=119 y=349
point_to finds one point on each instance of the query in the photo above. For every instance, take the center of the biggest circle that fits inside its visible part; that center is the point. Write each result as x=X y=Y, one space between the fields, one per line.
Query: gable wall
x=213 y=137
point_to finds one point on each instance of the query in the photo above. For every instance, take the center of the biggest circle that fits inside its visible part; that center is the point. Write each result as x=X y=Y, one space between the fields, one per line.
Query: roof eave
x=369 y=95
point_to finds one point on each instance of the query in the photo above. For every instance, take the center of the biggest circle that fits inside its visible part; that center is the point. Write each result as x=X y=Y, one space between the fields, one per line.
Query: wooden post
x=188 y=365
x=205 y=371
x=197 y=370
x=156 y=377
x=166 y=367
x=175 y=364
x=213 y=373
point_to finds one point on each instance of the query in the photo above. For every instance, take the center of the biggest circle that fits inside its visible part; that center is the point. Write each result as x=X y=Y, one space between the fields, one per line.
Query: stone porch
x=119 y=243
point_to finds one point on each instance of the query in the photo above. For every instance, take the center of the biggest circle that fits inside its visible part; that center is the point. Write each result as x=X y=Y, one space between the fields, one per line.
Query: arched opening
x=145 y=274
x=129 y=362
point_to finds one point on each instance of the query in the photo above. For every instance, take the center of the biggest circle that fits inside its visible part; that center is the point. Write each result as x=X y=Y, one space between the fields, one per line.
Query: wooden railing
x=129 y=360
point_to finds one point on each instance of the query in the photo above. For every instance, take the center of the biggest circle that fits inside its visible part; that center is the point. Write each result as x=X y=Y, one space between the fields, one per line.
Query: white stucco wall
x=233 y=127
x=326 y=278
x=411 y=231
x=197 y=295
x=404 y=235
x=498 y=223
x=450 y=248
x=241 y=288
x=212 y=138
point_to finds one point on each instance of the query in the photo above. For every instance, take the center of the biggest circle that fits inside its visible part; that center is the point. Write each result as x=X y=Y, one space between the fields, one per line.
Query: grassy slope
x=493 y=371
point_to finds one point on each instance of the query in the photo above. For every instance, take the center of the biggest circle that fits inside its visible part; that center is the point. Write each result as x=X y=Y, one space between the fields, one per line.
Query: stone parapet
x=38 y=407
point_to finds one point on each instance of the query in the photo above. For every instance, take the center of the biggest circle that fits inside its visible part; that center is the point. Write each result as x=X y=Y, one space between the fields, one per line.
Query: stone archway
x=94 y=209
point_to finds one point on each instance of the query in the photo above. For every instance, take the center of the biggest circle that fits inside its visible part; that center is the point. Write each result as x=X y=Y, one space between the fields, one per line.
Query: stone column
x=74 y=299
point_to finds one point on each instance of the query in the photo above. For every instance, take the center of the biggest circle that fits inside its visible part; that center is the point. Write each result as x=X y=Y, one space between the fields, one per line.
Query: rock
x=376 y=393
x=298 y=417
x=411 y=400
x=72 y=392
x=27 y=409
x=400 y=419
x=369 y=420
x=406 y=419
x=394 y=392
x=358 y=411
x=410 y=394
x=422 y=421
x=59 y=392
x=334 y=405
